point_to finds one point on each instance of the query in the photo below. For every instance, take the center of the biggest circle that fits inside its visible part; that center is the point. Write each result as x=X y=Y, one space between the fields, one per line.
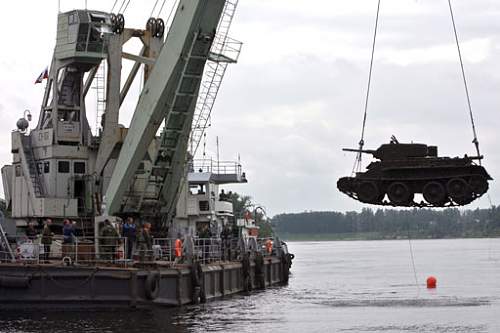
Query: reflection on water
x=335 y=287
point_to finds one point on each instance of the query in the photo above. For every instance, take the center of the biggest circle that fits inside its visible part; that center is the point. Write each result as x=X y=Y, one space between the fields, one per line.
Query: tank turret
x=405 y=169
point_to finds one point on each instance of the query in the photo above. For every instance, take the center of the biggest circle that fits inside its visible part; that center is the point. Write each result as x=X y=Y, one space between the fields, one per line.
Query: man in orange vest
x=178 y=249
x=269 y=246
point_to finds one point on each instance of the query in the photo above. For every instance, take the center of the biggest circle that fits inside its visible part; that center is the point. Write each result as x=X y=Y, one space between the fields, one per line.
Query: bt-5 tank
x=405 y=169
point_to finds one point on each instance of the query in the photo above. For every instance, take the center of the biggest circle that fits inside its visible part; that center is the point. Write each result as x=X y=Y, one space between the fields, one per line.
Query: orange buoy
x=431 y=282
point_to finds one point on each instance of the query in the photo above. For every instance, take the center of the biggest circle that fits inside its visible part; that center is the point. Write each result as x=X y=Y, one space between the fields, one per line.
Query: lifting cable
x=475 y=140
x=161 y=8
x=113 y=6
x=154 y=7
x=359 y=156
x=126 y=6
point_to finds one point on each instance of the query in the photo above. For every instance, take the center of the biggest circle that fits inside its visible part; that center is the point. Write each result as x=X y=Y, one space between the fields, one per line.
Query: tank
x=405 y=169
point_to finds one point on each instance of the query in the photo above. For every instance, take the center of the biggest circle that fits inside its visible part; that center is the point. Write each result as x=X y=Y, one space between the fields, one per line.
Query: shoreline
x=371 y=237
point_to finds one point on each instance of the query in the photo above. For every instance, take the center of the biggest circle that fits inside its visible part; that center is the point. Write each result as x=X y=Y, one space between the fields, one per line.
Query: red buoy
x=431 y=282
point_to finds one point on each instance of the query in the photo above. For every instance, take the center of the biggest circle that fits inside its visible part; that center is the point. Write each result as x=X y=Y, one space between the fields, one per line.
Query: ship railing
x=216 y=167
x=96 y=250
x=208 y=250
x=164 y=249
x=78 y=250
x=25 y=249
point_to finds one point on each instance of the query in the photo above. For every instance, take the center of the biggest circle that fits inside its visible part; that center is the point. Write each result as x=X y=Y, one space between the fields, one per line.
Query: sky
x=296 y=97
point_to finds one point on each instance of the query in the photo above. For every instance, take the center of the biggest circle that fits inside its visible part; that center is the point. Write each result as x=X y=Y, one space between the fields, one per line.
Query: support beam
x=131 y=77
x=90 y=78
x=111 y=133
x=192 y=17
x=144 y=60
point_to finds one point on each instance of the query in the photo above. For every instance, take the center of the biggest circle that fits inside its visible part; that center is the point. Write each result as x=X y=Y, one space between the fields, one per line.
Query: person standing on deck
x=144 y=242
x=68 y=232
x=47 y=236
x=109 y=239
x=31 y=231
x=129 y=230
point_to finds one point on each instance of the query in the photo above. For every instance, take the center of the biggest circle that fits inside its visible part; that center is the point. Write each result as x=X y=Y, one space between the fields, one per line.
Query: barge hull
x=80 y=287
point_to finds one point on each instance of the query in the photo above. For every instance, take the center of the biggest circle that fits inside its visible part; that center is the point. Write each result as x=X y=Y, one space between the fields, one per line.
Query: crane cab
x=83 y=35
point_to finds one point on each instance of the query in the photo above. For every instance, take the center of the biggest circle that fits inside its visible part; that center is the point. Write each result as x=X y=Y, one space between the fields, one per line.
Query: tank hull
x=442 y=182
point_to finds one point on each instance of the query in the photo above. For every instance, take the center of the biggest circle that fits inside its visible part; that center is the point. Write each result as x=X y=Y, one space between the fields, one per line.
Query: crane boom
x=169 y=94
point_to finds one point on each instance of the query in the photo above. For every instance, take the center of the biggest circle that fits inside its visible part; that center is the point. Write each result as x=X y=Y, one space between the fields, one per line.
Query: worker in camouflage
x=109 y=239
x=145 y=242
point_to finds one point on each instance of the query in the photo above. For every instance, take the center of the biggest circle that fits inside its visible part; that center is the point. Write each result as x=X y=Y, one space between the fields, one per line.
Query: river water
x=355 y=286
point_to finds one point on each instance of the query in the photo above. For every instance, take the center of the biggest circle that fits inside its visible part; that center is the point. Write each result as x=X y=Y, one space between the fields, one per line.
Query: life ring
x=152 y=285
x=291 y=256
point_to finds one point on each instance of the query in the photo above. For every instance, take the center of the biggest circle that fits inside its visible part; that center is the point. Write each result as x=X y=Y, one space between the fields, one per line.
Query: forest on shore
x=389 y=224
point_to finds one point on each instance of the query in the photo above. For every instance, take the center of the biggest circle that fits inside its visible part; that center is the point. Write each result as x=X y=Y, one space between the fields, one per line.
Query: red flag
x=43 y=75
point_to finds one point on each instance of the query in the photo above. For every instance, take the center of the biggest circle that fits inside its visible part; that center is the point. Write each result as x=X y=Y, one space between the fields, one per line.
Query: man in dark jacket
x=129 y=230
x=47 y=236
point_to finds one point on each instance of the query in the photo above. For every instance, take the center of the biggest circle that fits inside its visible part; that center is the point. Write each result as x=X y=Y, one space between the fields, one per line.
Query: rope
x=359 y=156
x=413 y=259
x=65 y=286
x=474 y=141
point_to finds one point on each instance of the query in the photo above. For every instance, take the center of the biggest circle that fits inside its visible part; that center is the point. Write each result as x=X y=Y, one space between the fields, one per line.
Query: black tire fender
x=152 y=285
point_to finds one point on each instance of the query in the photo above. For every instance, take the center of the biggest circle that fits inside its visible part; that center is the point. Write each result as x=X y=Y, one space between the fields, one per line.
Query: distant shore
x=370 y=236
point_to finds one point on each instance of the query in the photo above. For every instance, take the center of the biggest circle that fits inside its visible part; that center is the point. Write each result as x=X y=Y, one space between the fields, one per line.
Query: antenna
x=218 y=160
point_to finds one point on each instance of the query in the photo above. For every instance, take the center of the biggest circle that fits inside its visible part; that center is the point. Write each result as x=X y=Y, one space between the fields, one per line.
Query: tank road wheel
x=399 y=193
x=457 y=189
x=478 y=184
x=368 y=192
x=434 y=193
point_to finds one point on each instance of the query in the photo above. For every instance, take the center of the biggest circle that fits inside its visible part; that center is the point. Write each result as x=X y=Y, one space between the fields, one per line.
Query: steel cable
x=475 y=140
x=161 y=8
x=153 y=10
x=116 y=1
x=359 y=156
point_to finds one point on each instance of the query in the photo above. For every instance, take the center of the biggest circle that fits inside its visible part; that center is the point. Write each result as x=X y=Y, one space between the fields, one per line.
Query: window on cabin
x=63 y=167
x=79 y=167
x=46 y=167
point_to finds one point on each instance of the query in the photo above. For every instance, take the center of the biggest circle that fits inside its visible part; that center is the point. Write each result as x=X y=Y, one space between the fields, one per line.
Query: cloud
x=297 y=95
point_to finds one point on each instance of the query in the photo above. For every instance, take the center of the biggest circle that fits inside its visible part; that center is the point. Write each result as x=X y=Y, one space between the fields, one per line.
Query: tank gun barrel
x=364 y=151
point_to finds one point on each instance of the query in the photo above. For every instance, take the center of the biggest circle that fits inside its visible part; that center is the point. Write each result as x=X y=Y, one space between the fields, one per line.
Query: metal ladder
x=6 y=253
x=224 y=51
x=34 y=171
x=174 y=128
x=100 y=88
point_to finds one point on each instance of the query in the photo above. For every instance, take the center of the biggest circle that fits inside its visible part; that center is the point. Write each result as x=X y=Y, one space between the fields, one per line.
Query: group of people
x=223 y=196
x=47 y=237
x=138 y=239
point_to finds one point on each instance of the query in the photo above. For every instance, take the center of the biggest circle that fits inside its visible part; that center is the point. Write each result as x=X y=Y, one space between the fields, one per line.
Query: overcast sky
x=296 y=97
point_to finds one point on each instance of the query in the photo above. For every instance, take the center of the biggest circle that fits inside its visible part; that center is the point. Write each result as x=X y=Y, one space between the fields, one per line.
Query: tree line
x=391 y=223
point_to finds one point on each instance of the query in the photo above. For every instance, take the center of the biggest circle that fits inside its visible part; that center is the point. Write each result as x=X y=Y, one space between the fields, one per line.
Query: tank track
x=351 y=186
x=413 y=204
